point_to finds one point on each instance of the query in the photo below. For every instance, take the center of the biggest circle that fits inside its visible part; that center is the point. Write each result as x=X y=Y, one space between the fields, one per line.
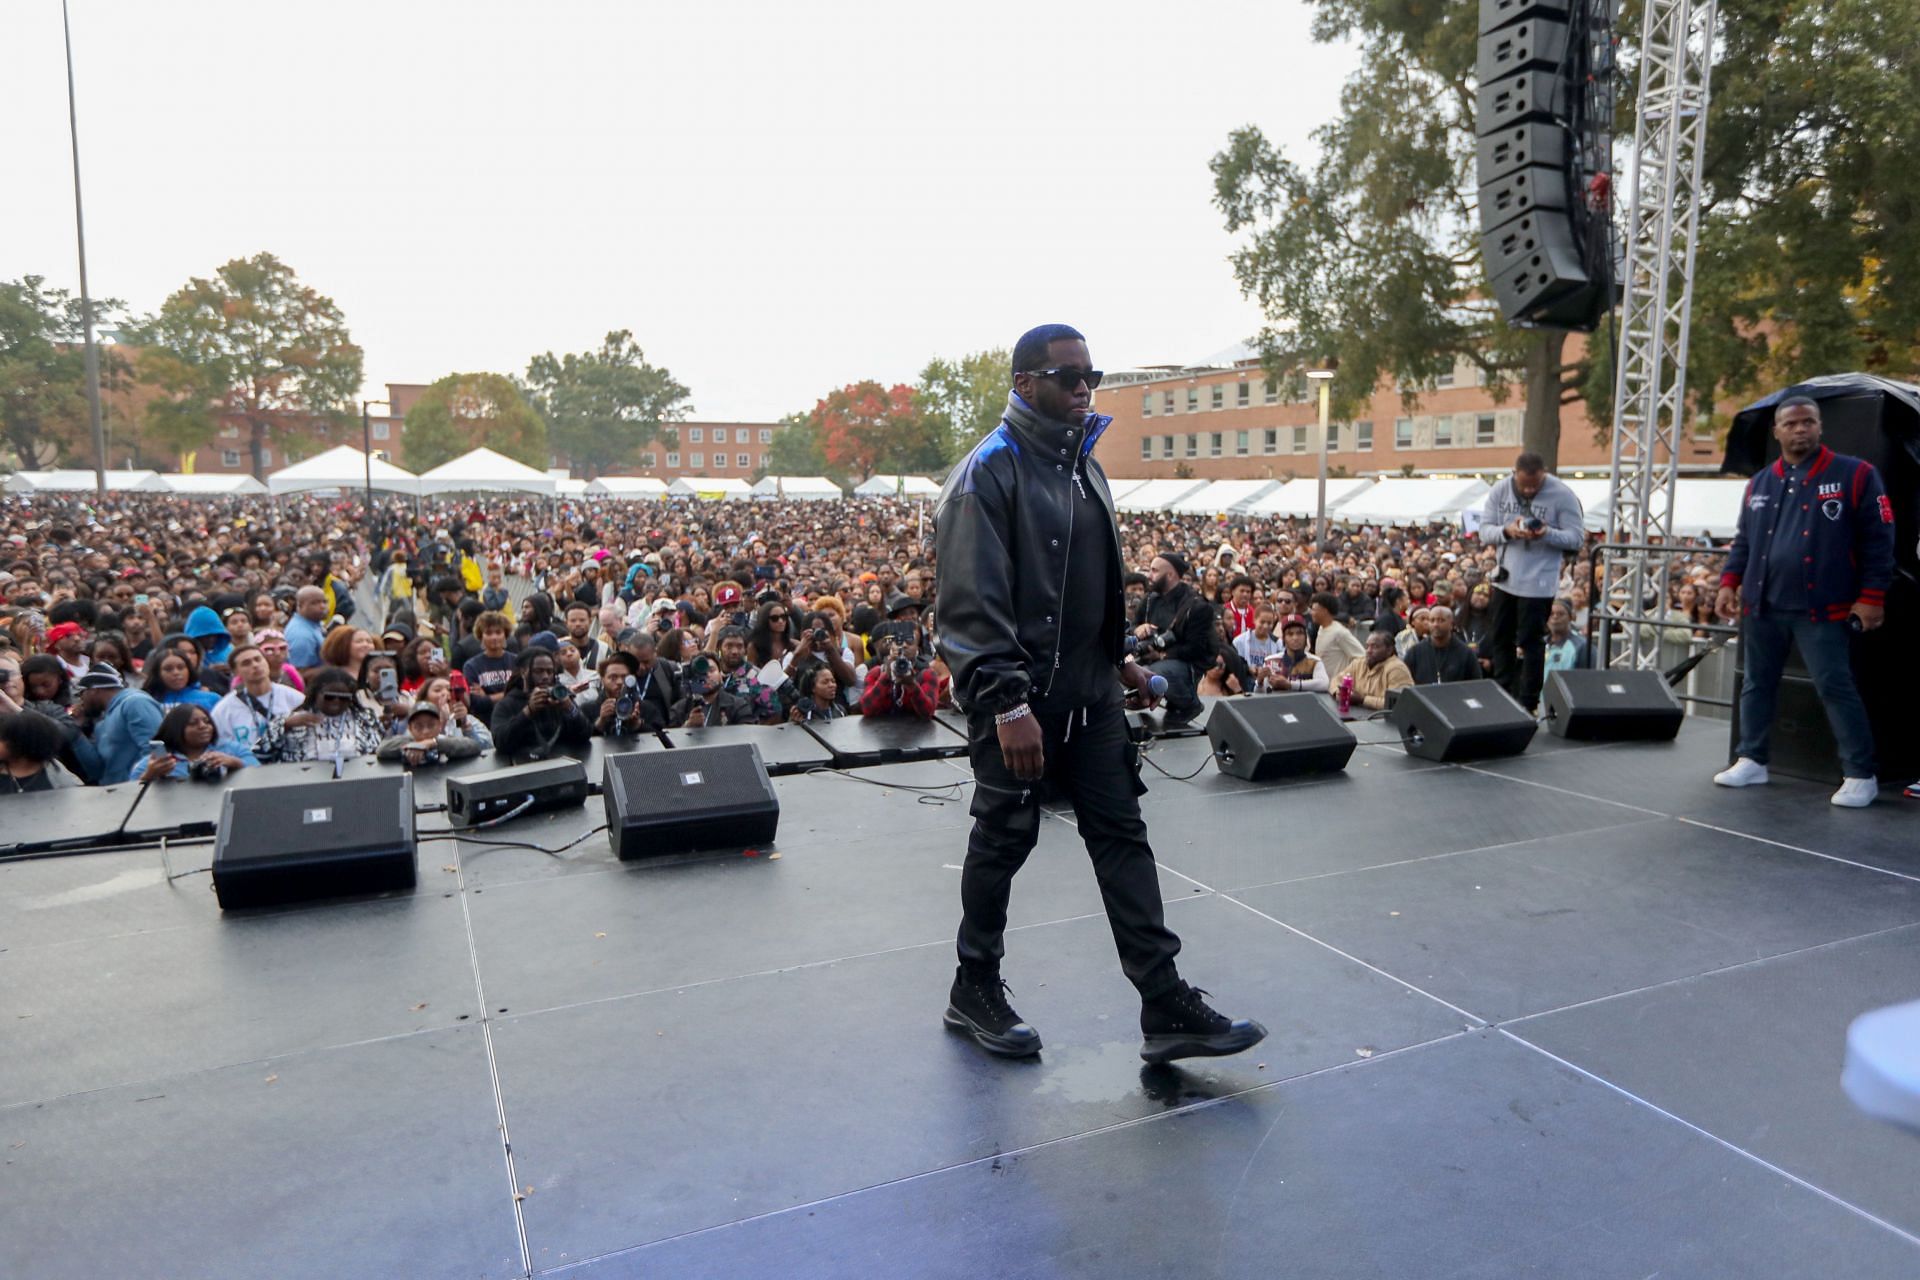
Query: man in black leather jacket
x=1032 y=628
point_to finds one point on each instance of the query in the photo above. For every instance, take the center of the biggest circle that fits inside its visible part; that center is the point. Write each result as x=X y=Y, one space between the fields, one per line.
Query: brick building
x=1227 y=420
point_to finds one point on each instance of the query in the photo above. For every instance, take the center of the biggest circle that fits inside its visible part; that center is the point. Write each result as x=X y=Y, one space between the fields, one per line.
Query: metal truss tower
x=1649 y=399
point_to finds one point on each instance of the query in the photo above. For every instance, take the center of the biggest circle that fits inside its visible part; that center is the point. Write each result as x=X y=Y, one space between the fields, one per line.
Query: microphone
x=1157 y=685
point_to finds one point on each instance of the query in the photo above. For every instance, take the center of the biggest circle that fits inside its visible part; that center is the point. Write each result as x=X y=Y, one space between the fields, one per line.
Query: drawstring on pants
x=1068 y=735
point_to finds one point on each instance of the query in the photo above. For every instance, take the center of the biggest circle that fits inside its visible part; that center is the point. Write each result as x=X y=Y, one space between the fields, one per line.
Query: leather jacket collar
x=1050 y=436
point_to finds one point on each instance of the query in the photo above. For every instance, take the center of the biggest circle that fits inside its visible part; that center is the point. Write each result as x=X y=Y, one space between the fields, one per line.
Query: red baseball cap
x=726 y=593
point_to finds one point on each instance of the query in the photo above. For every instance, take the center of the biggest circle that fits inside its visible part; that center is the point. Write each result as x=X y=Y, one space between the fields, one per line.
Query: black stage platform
x=1577 y=1013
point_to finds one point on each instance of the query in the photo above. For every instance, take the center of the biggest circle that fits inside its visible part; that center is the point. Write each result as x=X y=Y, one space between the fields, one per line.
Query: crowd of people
x=149 y=638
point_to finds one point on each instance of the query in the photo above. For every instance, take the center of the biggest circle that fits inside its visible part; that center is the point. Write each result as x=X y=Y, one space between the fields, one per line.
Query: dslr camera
x=201 y=771
x=821 y=636
x=629 y=700
x=901 y=669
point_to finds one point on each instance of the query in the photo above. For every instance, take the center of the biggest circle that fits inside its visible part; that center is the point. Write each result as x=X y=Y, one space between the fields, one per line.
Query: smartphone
x=389 y=684
x=459 y=694
x=439 y=654
x=140 y=597
x=157 y=750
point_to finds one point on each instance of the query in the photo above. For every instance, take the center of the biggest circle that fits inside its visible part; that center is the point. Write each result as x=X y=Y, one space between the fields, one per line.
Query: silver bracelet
x=1018 y=713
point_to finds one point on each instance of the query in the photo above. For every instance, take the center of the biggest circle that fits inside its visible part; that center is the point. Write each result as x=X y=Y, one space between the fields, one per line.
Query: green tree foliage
x=1373 y=255
x=963 y=399
x=864 y=427
x=251 y=346
x=796 y=450
x=602 y=406
x=466 y=411
x=43 y=398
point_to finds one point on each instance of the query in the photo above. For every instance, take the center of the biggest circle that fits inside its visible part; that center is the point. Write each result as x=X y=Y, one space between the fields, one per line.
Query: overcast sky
x=776 y=198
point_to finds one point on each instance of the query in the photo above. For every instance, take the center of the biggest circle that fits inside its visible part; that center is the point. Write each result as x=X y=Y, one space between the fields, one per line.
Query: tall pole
x=1323 y=378
x=366 y=446
x=86 y=299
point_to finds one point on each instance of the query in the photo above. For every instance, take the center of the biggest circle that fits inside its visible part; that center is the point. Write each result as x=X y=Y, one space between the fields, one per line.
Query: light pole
x=366 y=445
x=1323 y=379
x=86 y=299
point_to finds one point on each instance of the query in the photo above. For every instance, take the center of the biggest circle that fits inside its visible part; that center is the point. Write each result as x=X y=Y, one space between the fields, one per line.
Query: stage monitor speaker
x=692 y=798
x=1612 y=706
x=293 y=843
x=1260 y=739
x=1471 y=720
x=474 y=799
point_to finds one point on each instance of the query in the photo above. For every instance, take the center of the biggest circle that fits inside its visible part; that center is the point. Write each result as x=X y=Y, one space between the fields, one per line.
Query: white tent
x=1594 y=506
x=83 y=482
x=1703 y=506
x=1223 y=496
x=1121 y=488
x=342 y=467
x=801 y=488
x=628 y=488
x=213 y=485
x=897 y=487
x=1158 y=495
x=483 y=470
x=711 y=488
x=1421 y=500
x=569 y=487
x=1301 y=497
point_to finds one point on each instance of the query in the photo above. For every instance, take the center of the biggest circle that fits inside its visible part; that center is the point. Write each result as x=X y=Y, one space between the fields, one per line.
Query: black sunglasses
x=1069 y=377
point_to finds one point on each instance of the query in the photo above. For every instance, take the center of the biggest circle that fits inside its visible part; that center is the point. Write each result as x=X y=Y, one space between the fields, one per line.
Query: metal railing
x=1710 y=682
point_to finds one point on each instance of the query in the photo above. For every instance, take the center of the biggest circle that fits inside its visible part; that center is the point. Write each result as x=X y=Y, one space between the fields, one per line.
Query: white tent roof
x=1121 y=488
x=213 y=485
x=806 y=488
x=1703 y=506
x=629 y=488
x=711 y=488
x=341 y=467
x=1420 y=500
x=1593 y=501
x=897 y=486
x=1158 y=495
x=483 y=469
x=1301 y=497
x=83 y=482
x=569 y=487
x=1223 y=496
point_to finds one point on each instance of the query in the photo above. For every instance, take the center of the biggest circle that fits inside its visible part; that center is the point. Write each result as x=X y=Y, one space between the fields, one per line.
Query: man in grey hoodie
x=1534 y=520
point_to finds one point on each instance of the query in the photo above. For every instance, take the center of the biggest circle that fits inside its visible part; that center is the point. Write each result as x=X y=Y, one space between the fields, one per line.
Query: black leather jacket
x=1001 y=533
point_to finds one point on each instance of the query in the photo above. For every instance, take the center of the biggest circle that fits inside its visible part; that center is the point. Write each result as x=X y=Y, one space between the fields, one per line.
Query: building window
x=1219 y=396
x=1193 y=399
x=1444 y=380
x=229 y=432
x=1193 y=446
x=266 y=457
x=229 y=457
x=1146 y=404
x=1242 y=442
x=696 y=435
x=649 y=459
x=766 y=435
x=1333 y=437
x=1403 y=433
x=1146 y=447
x=1166 y=446
x=1166 y=402
x=1271 y=440
x=1244 y=396
x=1273 y=391
x=380 y=431
x=1299 y=439
x=696 y=459
x=1216 y=443
x=742 y=460
x=1443 y=432
x=1363 y=437
x=1483 y=430
x=673 y=460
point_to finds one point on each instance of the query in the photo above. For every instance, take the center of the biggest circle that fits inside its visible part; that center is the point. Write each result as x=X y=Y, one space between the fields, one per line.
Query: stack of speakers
x=1534 y=222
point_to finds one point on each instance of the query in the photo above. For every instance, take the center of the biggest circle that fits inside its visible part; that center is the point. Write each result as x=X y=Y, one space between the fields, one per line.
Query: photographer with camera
x=708 y=700
x=1534 y=521
x=424 y=743
x=183 y=747
x=634 y=700
x=536 y=716
x=898 y=683
x=1174 y=628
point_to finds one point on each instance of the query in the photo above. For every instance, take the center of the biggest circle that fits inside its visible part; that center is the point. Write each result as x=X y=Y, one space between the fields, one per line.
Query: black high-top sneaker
x=978 y=1006
x=1179 y=1024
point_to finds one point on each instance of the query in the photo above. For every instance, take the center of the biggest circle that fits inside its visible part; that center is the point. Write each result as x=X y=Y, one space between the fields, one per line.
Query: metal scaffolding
x=1649 y=398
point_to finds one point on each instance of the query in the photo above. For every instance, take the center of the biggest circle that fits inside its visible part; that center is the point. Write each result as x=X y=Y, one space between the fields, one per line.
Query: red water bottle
x=1346 y=694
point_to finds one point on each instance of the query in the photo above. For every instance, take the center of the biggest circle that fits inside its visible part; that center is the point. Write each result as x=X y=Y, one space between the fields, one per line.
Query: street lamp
x=366 y=444
x=1323 y=377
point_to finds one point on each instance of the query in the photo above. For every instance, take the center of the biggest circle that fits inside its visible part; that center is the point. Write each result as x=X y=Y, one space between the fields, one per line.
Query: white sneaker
x=1856 y=793
x=1743 y=773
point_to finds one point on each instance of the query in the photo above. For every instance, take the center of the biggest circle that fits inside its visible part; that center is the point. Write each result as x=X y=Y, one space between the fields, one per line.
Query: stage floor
x=1575 y=1013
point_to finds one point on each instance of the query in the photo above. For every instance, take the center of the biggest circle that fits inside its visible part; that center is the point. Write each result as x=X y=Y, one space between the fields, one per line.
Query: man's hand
x=1138 y=679
x=539 y=700
x=1871 y=615
x=607 y=712
x=697 y=715
x=1023 y=748
x=1144 y=631
x=1727 y=603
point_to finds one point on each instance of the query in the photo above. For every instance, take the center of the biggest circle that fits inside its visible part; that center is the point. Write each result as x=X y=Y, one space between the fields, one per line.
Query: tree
x=43 y=397
x=253 y=347
x=467 y=411
x=602 y=406
x=865 y=427
x=1373 y=257
x=963 y=399
x=796 y=450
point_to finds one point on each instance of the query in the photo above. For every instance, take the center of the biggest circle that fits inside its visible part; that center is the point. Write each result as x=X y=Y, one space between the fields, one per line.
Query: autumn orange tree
x=864 y=427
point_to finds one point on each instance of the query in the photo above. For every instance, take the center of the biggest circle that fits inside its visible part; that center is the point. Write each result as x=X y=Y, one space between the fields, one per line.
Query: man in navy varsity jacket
x=1810 y=563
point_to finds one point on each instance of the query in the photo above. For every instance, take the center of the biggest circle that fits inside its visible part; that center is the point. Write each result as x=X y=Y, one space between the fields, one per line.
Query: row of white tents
x=347 y=469
x=1703 y=506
